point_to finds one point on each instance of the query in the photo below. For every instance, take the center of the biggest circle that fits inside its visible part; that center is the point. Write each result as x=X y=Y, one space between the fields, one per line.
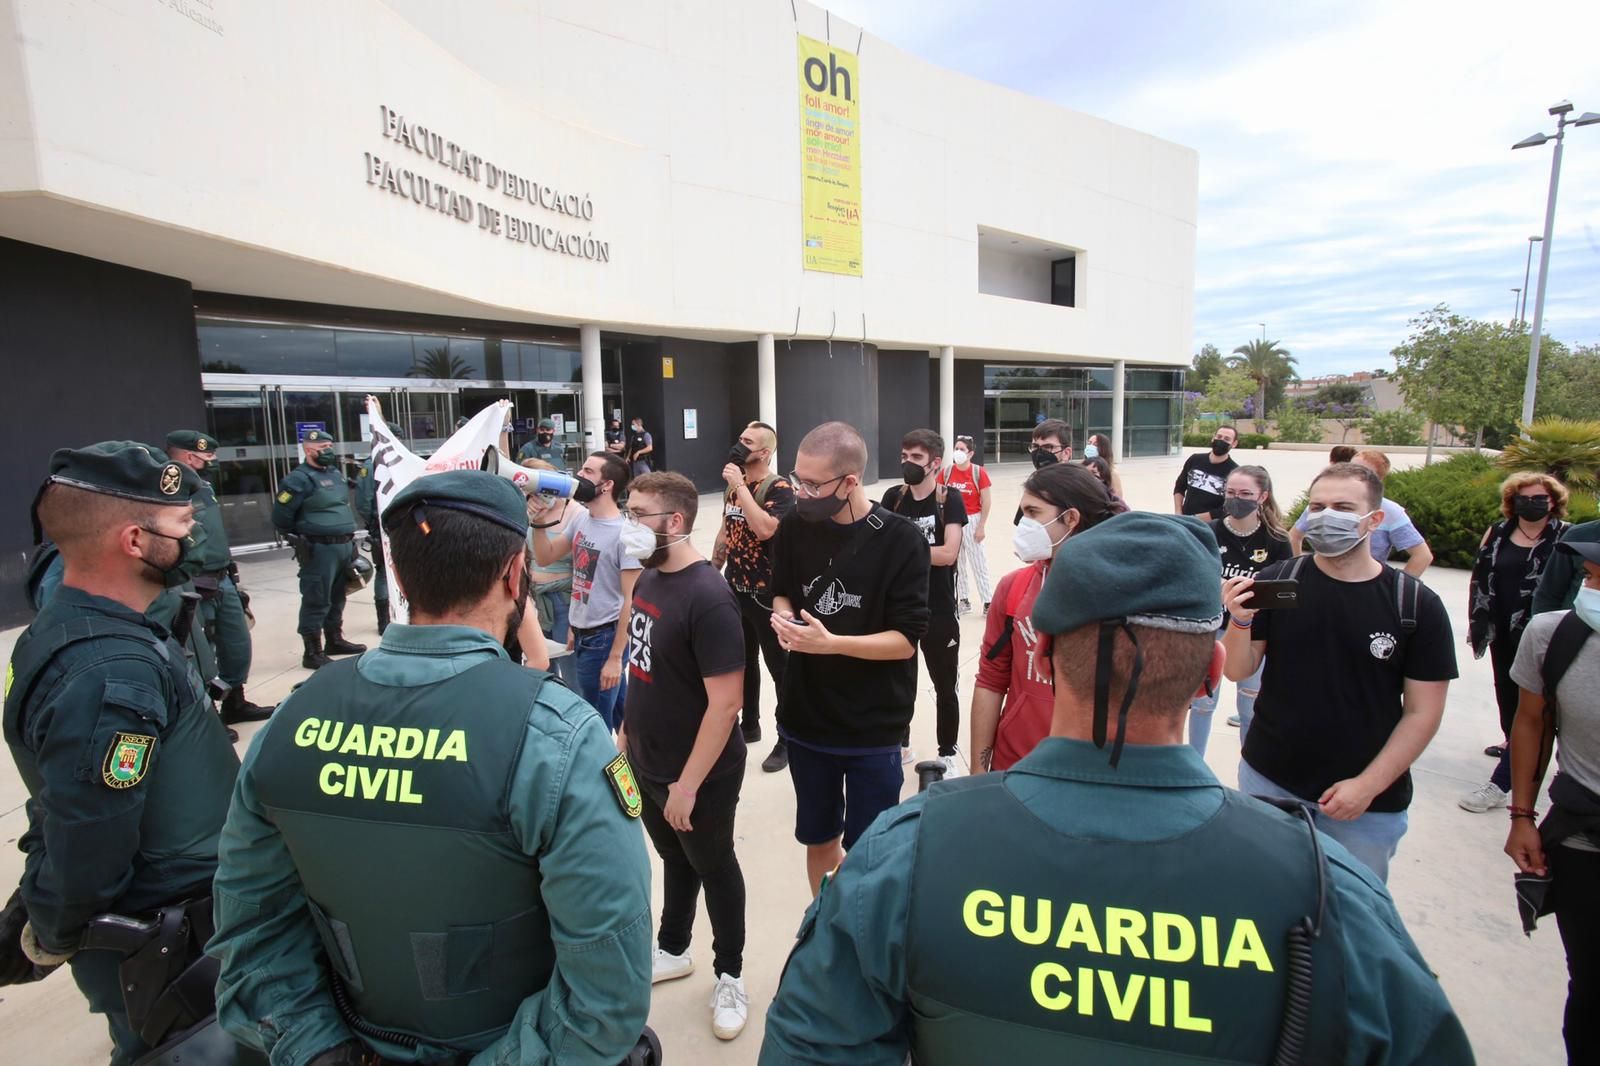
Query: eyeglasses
x=1540 y=498
x=813 y=490
x=632 y=517
x=963 y=440
x=1053 y=449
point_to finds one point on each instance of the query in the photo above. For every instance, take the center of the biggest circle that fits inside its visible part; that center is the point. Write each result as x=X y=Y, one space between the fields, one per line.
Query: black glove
x=15 y=967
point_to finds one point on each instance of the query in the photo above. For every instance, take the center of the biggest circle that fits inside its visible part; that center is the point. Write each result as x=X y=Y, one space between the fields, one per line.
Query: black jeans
x=1502 y=653
x=941 y=651
x=760 y=642
x=704 y=856
x=1576 y=886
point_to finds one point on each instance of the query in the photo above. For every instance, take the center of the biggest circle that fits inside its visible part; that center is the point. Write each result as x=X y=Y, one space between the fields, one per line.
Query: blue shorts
x=841 y=793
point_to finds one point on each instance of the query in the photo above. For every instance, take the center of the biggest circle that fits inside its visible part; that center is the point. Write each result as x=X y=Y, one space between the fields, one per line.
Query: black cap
x=475 y=492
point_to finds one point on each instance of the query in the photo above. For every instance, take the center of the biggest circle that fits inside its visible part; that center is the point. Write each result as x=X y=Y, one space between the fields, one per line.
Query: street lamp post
x=1515 y=292
x=1588 y=118
x=1522 y=315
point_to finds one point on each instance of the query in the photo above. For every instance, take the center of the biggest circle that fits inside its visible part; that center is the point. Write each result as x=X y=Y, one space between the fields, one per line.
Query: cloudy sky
x=1355 y=162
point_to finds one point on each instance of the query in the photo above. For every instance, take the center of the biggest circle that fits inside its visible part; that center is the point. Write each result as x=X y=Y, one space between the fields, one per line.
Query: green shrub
x=1254 y=440
x=1197 y=440
x=1299 y=427
x=1395 y=428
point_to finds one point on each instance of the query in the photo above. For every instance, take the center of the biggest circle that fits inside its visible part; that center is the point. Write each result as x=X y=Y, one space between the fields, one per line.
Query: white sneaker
x=1487 y=798
x=907 y=756
x=954 y=765
x=666 y=966
x=730 y=1007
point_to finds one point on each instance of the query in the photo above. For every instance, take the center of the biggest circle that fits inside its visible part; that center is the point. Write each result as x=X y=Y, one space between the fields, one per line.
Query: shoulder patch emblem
x=171 y=479
x=285 y=496
x=620 y=774
x=126 y=760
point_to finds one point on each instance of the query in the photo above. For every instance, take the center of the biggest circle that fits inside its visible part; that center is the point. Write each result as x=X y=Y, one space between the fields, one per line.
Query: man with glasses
x=603 y=574
x=850 y=602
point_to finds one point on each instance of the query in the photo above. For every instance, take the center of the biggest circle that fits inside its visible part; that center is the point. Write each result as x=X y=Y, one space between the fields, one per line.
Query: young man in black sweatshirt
x=850 y=603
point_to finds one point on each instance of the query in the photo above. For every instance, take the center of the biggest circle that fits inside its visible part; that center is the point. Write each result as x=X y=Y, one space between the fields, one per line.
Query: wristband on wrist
x=689 y=792
x=1235 y=623
x=1522 y=812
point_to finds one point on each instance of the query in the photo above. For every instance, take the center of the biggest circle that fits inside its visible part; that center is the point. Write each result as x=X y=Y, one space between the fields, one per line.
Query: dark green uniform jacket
x=313 y=500
x=436 y=828
x=1563 y=571
x=1139 y=960
x=213 y=545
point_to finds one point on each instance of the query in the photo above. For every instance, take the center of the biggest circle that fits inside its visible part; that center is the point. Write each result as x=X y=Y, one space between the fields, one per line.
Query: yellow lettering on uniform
x=1085 y=991
x=409 y=746
x=305 y=734
x=1245 y=946
x=454 y=747
x=1158 y=1001
x=371 y=782
x=1124 y=926
x=382 y=743
x=350 y=782
x=1171 y=937
x=1181 y=1018
x=1019 y=913
x=394 y=785
x=406 y=795
x=1121 y=1006
x=355 y=741
x=1208 y=941
x=1058 y=1000
x=1078 y=928
x=980 y=914
x=328 y=779
x=433 y=741
x=328 y=734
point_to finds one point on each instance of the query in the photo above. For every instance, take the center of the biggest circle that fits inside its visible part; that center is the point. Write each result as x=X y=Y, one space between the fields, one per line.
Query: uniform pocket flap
x=139 y=698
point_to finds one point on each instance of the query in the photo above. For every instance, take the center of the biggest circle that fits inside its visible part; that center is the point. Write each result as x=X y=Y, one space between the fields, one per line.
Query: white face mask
x=638 y=541
x=1587 y=606
x=962 y=456
x=1032 y=542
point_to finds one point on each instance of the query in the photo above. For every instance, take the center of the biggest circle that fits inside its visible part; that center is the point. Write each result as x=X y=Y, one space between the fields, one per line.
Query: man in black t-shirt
x=1350 y=698
x=940 y=515
x=686 y=661
x=1198 y=490
x=850 y=602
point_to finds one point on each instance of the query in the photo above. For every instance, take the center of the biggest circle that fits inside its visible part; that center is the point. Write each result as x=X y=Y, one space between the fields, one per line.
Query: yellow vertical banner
x=830 y=158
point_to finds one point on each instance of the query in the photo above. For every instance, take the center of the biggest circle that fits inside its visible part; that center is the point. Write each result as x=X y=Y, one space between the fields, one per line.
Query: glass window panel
x=467 y=359
x=610 y=366
x=242 y=477
x=250 y=348
x=373 y=355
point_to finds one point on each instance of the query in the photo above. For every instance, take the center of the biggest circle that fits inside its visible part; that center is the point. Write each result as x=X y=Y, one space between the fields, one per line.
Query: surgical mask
x=1091 y=452
x=738 y=455
x=961 y=456
x=1042 y=458
x=1587 y=606
x=913 y=474
x=1239 y=508
x=1335 y=533
x=183 y=566
x=1032 y=541
x=638 y=542
x=1529 y=508
x=1220 y=447
x=820 y=508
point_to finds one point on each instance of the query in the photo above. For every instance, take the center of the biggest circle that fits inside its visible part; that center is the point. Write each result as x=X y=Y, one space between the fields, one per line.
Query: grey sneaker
x=1484 y=799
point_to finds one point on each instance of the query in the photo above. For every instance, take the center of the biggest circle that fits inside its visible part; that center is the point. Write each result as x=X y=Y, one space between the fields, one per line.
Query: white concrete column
x=594 y=393
x=1119 y=373
x=947 y=395
x=766 y=382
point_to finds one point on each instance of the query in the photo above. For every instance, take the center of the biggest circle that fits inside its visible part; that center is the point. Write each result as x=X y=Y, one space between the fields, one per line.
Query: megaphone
x=550 y=484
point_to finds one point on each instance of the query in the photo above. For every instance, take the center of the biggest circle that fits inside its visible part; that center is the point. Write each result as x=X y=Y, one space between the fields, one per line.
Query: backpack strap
x=764 y=488
x=1407 y=600
x=1019 y=589
x=1568 y=639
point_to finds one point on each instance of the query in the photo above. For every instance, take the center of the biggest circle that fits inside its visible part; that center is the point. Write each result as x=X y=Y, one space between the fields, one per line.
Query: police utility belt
x=323 y=538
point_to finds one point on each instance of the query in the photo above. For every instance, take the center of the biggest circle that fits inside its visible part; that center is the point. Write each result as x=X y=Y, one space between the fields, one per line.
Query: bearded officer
x=127 y=768
x=1090 y=919
x=313 y=511
x=221 y=608
x=433 y=852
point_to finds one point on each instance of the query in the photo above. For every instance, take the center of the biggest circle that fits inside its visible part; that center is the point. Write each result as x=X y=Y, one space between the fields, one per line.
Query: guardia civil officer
x=433 y=852
x=367 y=511
x=128 y=770
x=313 y=512
x=1122 y=909
x=215 y=579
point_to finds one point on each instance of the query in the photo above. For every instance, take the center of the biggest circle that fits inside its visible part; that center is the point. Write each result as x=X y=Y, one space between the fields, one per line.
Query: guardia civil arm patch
x=285 y=496
x=620 y=774
x=127 y=759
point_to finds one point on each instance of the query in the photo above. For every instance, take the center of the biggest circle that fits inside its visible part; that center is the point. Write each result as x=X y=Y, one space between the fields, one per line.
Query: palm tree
x=1268 y=365
x=439 y=364
x=1567 y=450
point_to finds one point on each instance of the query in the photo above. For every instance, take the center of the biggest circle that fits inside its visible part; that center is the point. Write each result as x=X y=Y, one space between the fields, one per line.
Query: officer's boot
x=235 y=708
x=383 y=617
x=337 y=645
x=313 y=659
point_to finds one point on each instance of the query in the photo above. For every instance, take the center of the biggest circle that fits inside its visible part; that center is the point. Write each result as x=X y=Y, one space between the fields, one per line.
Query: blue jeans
x=590 y=653
x=556 y=635
x=1372 y=838
x=1200 y=710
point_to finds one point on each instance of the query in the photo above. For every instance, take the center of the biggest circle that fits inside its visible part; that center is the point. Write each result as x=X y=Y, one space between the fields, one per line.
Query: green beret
x=314 y=435
x=547 y=423
x=127 y=469
x=476 y=492
x=1156 y=570
x=192 y=440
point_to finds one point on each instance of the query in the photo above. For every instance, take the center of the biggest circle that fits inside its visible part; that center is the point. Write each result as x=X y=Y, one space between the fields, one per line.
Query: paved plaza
x=1450 y=879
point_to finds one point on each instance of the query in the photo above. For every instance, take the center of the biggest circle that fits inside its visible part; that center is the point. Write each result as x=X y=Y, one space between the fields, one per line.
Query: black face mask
x=912 y=474
x=819 y=509
x=183 y=566
x=1042 y=458
x=512 y=645
x=738 y=455
x=1220 y=447
x=1240 y=509
x=585 y=490
x=1531 y=509
x=546 y=438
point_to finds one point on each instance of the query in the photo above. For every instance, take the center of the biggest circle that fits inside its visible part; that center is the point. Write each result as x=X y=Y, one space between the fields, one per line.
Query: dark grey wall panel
x=904 y=403
x=812 y=389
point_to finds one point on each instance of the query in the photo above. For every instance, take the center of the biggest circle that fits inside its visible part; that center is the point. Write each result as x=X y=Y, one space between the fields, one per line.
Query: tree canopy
x=1269 y=365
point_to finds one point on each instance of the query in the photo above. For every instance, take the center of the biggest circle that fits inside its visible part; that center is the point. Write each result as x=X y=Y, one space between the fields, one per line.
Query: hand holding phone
x=1274 y=595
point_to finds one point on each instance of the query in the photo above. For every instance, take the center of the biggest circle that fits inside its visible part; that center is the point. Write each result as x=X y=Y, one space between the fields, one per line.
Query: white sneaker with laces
x=665 y=966
x=730 y=1007
x=954 y=765
x=1484 y=799
x=907 y=756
